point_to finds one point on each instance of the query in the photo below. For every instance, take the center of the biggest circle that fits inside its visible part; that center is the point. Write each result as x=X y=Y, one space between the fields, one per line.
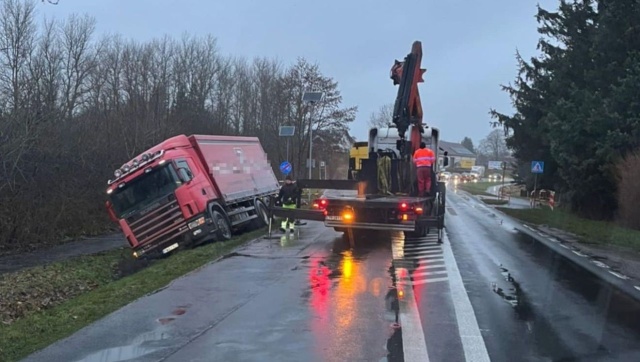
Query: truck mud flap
x=430 y=222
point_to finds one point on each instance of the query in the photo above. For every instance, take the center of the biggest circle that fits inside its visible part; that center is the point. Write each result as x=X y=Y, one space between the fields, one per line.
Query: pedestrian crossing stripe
x=422 y=258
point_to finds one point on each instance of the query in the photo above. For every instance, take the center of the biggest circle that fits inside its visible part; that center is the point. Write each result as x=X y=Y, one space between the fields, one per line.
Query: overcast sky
x=468 y=45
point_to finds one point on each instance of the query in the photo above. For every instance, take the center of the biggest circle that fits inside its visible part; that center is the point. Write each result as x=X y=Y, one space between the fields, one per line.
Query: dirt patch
x=126 y=267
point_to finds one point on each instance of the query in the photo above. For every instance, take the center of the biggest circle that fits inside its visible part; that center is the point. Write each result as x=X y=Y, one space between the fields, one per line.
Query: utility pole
x=311 y=98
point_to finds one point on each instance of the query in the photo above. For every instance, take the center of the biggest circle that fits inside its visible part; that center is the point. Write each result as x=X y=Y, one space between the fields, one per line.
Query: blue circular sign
x=286 y=167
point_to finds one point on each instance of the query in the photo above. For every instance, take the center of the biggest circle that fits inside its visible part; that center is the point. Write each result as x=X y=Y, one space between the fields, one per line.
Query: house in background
x=460 y=157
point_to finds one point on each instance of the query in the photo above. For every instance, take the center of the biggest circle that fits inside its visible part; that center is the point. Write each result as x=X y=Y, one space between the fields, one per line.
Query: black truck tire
x=223 y=232
x=262 y=214
x=420 y=232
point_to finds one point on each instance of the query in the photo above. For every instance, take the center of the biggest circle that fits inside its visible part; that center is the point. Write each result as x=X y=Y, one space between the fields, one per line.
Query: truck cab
x=153 y=198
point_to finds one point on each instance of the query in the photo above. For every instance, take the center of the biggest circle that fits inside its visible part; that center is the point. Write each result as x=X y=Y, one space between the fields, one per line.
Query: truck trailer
x=191 y=189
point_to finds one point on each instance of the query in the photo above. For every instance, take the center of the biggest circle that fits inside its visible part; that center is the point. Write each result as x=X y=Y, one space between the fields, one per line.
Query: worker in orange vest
x=424 y=159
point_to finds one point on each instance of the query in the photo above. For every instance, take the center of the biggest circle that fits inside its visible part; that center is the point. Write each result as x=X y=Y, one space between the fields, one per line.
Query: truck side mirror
x=112 y=215
x=185 y=175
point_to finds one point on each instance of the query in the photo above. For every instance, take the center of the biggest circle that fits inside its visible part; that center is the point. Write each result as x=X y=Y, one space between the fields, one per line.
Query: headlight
x=195 y=223
x=145 y=157
x=126 y=168
x=135 y=163
x=117 y=173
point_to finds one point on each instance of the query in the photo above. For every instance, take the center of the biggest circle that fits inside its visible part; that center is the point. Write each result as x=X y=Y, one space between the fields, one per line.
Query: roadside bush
x=629 y=191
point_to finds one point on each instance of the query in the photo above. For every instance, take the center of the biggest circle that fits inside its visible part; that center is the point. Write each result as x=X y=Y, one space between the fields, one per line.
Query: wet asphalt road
x=15 y=262
x=532 y=304
x=488 y=292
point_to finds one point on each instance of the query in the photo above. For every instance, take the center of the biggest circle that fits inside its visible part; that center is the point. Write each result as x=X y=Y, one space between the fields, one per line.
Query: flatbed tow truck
x=394 y=204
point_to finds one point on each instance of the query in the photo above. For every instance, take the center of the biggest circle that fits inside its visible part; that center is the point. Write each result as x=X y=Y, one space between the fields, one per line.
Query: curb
x=628 y=285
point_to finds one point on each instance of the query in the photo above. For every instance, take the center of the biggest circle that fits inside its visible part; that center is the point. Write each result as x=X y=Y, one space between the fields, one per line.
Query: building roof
x=456 y=149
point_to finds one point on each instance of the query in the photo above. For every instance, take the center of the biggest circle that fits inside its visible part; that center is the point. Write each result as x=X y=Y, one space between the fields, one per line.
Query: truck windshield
x=144 y=190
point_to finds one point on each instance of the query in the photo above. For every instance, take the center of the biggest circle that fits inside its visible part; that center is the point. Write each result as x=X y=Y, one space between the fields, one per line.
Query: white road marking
x=409 y=247
x=428 y=258
x=424 y=281
x=414 y=274
x=600 y=264
x=413 y=344
x=470 y=336
x=621 y=276
x=422 y=252
x=429 y=266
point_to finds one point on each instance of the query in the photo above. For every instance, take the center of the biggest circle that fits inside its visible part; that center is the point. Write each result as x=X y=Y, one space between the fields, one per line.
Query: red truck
x=188 y=190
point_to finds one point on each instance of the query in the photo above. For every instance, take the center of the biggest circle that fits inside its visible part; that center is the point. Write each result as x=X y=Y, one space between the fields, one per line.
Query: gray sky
x=468 y=45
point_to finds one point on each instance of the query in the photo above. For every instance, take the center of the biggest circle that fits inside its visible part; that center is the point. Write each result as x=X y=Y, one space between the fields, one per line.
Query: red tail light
x=320 y=204
x=404 y=206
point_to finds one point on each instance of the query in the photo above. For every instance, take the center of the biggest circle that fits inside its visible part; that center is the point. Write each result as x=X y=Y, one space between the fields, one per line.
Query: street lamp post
x=311 y=98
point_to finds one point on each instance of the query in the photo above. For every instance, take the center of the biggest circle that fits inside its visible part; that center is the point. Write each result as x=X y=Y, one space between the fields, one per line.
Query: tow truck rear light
x=419 y=210
x=320 y=204
x=347 y=216
x=405 y=217
x=404 y=206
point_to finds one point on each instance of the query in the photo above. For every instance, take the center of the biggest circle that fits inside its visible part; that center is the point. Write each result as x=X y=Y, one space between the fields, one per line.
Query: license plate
x=169 y=248
x=334 y=217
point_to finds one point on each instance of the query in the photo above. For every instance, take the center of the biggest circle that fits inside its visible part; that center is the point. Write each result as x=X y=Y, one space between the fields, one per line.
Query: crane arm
x=408 y=108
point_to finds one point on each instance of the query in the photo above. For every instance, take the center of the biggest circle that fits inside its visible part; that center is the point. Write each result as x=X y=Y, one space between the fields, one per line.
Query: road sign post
x=504 y=169
x=536 y=168
x=288 y=132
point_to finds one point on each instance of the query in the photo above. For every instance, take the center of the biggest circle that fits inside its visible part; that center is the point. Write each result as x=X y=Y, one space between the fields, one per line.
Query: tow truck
x=359 y=203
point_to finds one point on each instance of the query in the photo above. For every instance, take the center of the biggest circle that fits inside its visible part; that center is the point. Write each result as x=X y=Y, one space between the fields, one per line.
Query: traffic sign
x=286 y=167
x=537 y=166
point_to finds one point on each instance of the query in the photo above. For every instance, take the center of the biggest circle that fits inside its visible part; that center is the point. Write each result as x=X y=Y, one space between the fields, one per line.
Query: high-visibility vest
x=423 y=157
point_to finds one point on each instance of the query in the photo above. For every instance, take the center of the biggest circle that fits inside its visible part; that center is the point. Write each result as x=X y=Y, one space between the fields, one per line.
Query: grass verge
x=39 y=328
x=477 y=188
x=590 y=231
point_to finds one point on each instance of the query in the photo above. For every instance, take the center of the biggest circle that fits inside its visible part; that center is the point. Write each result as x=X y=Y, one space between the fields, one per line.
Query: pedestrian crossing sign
x=537 y=167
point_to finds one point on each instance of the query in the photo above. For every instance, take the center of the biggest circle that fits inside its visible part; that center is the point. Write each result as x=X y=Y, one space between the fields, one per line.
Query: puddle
x=140 y=346
x=510 y=293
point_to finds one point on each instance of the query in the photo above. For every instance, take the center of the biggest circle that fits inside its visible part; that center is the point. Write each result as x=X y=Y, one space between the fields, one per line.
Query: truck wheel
x=262 y=213
x=420 y=232
x=224 y=229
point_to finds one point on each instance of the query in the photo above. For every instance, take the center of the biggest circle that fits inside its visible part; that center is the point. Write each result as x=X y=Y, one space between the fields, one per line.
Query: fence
x=537 y=198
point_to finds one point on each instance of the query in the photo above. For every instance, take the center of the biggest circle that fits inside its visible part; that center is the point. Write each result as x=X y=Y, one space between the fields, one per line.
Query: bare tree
x=494 y=145
x=75 y=108
x=383 y=117
x=78 y=59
